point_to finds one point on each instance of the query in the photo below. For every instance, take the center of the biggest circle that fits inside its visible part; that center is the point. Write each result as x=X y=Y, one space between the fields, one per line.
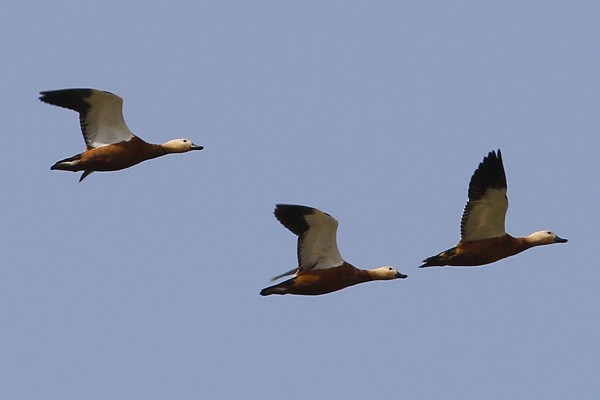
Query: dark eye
x=184 y=141
x=390 y=268
x=549 y=233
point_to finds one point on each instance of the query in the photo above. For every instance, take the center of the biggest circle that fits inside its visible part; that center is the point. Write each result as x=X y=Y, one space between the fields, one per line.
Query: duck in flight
x=483 y=238
x=110 y=145
x=321 y=268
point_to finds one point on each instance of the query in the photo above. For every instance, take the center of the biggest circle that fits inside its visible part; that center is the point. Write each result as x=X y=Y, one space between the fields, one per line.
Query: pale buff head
x=385 y=274
x=544 y=237
x=180 y=146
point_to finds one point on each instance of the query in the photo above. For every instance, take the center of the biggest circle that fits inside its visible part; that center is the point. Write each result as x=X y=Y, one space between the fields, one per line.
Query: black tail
x=268 y=291
x=432 y=261
x=280 y=288
x=439 y=260
x=272 y=290
x=68 y=164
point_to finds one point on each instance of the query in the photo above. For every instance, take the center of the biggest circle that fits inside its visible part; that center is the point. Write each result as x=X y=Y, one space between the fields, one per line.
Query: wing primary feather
x=484 y=214
x=100 y=114
x=73 y=99
x=316 y=231
x=489 y=174
x=292 y=217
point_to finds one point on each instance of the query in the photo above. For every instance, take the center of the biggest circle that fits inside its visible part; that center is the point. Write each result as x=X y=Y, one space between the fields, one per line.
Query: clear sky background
x=143 y=283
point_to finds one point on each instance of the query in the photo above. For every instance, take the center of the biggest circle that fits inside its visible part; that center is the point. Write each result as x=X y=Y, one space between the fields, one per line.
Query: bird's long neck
x=145 y=150
x=366 y=275
x=154 y=150
x=522 y=244
x=357 y=275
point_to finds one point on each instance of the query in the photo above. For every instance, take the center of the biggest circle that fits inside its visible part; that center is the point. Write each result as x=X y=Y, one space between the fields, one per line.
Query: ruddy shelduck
x=321 y=268
x=483 y=238
x=110 y=144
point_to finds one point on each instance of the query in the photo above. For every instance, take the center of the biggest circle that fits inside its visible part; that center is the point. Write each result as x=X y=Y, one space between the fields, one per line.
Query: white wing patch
x=484 y=218
x=317 y=247
x=104 y=123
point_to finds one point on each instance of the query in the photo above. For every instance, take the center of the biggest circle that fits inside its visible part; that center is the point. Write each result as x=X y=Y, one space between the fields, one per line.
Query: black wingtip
x=292 y=217
x=489 y=174
x=433 y=261
x=73 y=99
x=495 y=156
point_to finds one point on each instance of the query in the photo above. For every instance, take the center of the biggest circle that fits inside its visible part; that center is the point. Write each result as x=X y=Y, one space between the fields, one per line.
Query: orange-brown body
x=112 y=157
x=110 y=145
x=320 y=281
x=479 y=252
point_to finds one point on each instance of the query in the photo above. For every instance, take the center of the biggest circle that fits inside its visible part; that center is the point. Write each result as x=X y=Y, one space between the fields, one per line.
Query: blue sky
x=143 y=284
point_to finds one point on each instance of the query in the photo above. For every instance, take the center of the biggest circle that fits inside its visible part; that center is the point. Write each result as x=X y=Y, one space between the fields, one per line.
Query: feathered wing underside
x=484 y=218
x=317 y=247
x=100 y=114
x=485 y=212
x=316 y=230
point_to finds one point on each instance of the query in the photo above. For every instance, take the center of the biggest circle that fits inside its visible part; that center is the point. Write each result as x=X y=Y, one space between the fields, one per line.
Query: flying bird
x=110 y=145
x=483 y=238
x=321 y=269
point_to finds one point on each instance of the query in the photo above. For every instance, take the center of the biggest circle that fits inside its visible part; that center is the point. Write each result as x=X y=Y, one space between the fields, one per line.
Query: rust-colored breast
x=328 y=280
x=119 y=155
x=486 y=251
